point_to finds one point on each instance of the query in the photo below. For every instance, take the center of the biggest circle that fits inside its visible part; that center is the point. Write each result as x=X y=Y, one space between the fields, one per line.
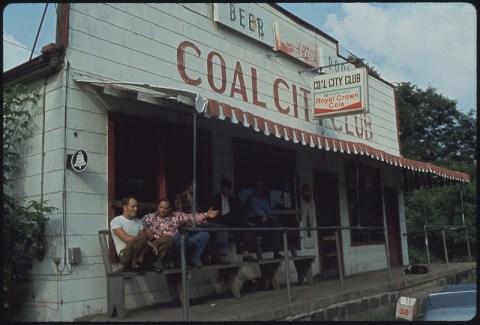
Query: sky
x=426 y=44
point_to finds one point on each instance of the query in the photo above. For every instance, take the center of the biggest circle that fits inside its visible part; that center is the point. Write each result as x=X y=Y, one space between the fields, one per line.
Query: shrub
x=23 y=223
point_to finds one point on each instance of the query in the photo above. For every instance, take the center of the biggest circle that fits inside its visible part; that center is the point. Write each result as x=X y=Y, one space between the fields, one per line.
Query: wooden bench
x=229 y=275
x=116 y=279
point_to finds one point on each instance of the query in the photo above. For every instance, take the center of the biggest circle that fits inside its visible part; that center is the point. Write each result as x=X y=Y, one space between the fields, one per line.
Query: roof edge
x=47 y=63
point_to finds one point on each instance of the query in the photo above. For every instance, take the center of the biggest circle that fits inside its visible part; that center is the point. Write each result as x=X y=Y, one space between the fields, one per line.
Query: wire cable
x=38 y=31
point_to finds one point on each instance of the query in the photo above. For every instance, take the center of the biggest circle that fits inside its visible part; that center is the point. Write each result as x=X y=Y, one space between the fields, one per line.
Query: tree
x=24 y=223
x=431 y=127
x=359 y=63
x=433 y=130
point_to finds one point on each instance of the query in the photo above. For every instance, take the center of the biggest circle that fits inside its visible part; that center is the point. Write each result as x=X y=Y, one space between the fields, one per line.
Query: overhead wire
x=38 y=31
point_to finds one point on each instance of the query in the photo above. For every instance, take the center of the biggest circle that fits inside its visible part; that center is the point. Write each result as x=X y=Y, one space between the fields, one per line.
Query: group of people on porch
x=154 y=241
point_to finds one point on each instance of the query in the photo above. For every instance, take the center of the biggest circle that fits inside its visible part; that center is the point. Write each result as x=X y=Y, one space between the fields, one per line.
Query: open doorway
x=327 y=211
x=392 y=217
x=275 y=166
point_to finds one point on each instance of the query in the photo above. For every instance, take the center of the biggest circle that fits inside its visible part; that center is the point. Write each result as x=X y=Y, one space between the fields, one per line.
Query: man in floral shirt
x=165 y=223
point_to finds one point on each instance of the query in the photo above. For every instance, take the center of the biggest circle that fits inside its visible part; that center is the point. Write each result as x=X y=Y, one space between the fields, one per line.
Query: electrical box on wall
x=74 y=256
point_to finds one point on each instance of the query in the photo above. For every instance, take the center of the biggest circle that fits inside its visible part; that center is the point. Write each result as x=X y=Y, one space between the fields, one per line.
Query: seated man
x=130 y=237
x=217 y=248
x=164 y=223
x=259 y=213
x=157 y=249
x=230 y=215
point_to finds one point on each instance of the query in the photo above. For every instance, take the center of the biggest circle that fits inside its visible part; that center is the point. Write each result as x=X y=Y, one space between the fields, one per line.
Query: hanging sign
x=78 y=161
x=339 y=94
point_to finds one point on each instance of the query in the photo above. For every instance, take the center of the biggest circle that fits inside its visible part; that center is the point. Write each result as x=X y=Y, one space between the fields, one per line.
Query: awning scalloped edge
x=237 y=115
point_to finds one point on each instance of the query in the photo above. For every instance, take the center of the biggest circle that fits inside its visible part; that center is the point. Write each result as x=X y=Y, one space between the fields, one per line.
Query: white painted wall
x=138 y=42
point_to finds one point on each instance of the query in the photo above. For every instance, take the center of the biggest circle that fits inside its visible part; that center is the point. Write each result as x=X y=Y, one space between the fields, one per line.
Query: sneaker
x=158 y=267
x=138 y=269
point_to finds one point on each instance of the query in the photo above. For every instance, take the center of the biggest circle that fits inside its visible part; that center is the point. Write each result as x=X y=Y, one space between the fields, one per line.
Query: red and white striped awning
x=210 y=107
x=258 y=123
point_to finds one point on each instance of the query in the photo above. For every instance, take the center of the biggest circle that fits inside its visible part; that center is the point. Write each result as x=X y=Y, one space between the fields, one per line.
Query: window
x=153 y=159
x=364 y=203
x=255 y=161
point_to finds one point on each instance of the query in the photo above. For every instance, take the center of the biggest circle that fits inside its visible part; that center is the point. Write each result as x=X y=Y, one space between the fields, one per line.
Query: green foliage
x=359 y=63
x=433 y=130
x=441 y=207
x=23 y=223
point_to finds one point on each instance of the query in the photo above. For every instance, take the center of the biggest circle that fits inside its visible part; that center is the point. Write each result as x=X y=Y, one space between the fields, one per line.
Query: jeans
x=195 y=243
x=219 y=239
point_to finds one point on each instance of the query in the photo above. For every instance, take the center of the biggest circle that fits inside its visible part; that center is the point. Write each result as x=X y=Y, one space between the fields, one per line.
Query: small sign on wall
x=77 y=161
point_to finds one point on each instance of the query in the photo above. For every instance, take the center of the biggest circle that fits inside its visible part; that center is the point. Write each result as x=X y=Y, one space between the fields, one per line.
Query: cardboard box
x=406 y=308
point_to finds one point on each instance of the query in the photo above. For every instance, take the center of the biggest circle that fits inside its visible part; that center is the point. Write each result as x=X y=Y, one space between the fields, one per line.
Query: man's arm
x=255 y=205
x=122 y=234
x=147 y=226
x=190 y=219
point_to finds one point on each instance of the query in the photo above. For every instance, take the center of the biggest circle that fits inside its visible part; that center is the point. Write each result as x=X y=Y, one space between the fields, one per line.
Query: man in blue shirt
x=259 y=212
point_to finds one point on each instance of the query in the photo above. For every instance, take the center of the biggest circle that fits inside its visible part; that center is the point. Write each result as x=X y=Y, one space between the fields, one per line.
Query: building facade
x=152 y=96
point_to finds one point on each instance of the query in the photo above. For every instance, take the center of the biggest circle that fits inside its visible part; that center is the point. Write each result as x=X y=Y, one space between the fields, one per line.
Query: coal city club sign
x=340 y=94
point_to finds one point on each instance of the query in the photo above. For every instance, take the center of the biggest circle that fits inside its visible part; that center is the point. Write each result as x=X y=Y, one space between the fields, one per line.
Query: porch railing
x=285 y=231
x=429 y=228
x=443 y=228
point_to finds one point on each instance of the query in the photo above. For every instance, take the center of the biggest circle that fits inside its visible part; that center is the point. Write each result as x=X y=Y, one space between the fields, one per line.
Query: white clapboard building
x=129 y=88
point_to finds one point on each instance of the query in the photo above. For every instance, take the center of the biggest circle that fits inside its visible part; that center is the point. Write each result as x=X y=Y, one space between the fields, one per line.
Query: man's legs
x=218 y=244
x=245 y=242
x=152 y=260
x=273 y=236
x=162 y=244
x=196 y=243
x=134 y=251
x=220 y=239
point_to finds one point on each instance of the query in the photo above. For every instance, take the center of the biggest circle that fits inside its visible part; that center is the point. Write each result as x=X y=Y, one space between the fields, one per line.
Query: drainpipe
x=43 y=139
x=358 y=192
x=194 y=180
x=66 y=68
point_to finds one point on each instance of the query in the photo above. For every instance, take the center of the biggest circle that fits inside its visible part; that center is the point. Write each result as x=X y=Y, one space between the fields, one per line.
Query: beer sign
x=339 y=94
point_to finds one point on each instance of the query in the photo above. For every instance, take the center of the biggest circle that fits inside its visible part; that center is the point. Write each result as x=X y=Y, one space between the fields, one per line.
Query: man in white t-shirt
x=130 y=237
